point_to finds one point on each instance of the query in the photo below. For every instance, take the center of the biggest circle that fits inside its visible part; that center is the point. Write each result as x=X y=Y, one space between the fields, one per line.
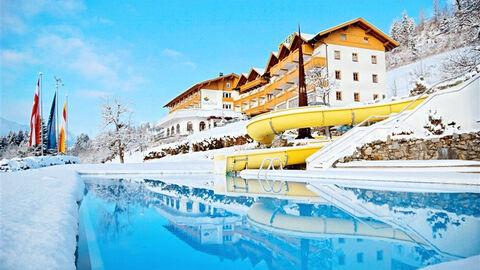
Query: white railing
x=358 y=135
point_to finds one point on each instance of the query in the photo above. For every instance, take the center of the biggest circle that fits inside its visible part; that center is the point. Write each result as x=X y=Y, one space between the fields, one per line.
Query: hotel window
x=379 y=255
x=338 y=95
x=355 y=76
x=354 y=57
x=341 y=259
x=343 y=37
x=227 y=106
x=337 y=55
x=338 y=75
x=374 y=78
x=189 y=206
x=227 y=238
x=365 y=40
x=228 y=85
x=227 y=94
x=360 y=257
x=375 y=96
x=374 y=59
x=356 y=97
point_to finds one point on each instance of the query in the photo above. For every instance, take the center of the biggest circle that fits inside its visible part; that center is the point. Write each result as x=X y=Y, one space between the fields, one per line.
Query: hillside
x=402 y=79
x=6 y=126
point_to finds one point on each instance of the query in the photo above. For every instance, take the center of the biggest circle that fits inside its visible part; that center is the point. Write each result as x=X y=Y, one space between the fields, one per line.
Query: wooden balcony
x=281 y=86
x=253 y=84
x=186 y=104
x=291 y=60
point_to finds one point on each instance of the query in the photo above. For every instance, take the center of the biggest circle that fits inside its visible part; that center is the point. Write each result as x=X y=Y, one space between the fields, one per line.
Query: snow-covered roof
x=307 y=36
x=193 y=113
x=259 y=70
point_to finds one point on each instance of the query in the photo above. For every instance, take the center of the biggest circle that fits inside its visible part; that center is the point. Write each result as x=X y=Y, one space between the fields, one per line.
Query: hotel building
x=349 y=57
x=202 y=106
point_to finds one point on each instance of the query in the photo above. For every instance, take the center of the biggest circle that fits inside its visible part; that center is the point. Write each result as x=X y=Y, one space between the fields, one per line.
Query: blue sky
x=147 y=52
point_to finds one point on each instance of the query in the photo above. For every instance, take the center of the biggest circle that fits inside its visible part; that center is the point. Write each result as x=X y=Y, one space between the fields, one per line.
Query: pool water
x=156 y=224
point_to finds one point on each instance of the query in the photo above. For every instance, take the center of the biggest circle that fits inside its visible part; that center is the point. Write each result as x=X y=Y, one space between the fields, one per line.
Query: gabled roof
x=241 y=81
x=283 y=51
x=198 y=86
x=254 y=73
x=388 y=42
x=272 y=61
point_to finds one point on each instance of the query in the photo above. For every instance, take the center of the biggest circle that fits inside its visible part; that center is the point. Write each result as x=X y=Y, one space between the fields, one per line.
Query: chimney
x=220 y=74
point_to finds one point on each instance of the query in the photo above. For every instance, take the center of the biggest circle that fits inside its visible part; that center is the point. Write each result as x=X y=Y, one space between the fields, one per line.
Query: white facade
x=217 y=99
x=186 y=122
x=365 y=86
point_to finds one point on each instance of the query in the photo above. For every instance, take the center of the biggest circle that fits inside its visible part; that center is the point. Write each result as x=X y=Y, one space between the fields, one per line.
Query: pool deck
x=449 y=176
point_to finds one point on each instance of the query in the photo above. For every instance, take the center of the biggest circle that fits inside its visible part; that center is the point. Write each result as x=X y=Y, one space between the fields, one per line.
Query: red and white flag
x=35 y=124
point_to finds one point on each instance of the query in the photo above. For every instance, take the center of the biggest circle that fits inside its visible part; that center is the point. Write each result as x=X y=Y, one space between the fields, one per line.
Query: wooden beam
x=368 y=30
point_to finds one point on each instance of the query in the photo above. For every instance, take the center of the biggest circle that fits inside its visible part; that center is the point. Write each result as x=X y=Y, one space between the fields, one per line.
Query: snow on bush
x=205 y=145
x=19 y=164
x=401 y=129
x=435 y=125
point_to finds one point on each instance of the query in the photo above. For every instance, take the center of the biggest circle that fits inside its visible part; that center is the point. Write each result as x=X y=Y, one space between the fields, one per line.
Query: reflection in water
x=246 y=226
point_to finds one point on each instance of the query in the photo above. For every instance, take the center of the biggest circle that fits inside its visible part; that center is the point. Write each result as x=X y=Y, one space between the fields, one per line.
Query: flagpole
x=58 y=80
x=41 y=111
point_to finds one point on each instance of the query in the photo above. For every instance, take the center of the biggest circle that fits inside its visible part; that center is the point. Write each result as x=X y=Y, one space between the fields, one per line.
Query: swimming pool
x=258 y=224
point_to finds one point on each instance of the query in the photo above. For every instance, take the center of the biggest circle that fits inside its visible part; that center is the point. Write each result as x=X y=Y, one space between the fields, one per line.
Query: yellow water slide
x=263 y=128
x=283 y=156
x=262 y=214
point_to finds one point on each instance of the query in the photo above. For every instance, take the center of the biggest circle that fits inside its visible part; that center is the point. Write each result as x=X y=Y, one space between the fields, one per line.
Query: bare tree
x=114 y=113
x=322 y=83
x=461 y=61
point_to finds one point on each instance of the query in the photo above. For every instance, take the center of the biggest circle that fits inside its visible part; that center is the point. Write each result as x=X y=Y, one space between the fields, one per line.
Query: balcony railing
x=291 y=59
x=282 y=84
x=186 y=104
x=253 y=84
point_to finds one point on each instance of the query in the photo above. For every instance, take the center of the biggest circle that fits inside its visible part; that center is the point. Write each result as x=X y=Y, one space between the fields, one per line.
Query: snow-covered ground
x=39 y=217
x=402 y=79
x=470 y=263
x=235 y=129
x=18 y=164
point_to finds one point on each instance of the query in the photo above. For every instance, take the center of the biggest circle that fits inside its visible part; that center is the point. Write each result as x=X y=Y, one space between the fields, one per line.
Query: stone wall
x=457 y=146
x=205 y=145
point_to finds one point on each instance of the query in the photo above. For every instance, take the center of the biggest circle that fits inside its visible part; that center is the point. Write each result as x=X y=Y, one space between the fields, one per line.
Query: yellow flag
x=62 y=135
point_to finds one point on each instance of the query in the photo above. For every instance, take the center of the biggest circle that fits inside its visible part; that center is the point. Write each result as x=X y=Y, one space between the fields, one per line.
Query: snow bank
x=19 y=164
x=465 y=264
x=39 y=217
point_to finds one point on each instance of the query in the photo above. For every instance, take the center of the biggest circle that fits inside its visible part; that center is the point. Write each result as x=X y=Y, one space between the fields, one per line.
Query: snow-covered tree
x=323 y=84
x=396 y=31
x=461 y=61
x=403 y=31
x=467 y=14
x=116 y=114
x=436 y=11
x=421 y=19
x=82 y=145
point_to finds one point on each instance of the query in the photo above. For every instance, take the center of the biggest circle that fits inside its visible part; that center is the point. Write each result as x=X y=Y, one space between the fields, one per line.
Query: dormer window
x=365 y=40
x=343 y=37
